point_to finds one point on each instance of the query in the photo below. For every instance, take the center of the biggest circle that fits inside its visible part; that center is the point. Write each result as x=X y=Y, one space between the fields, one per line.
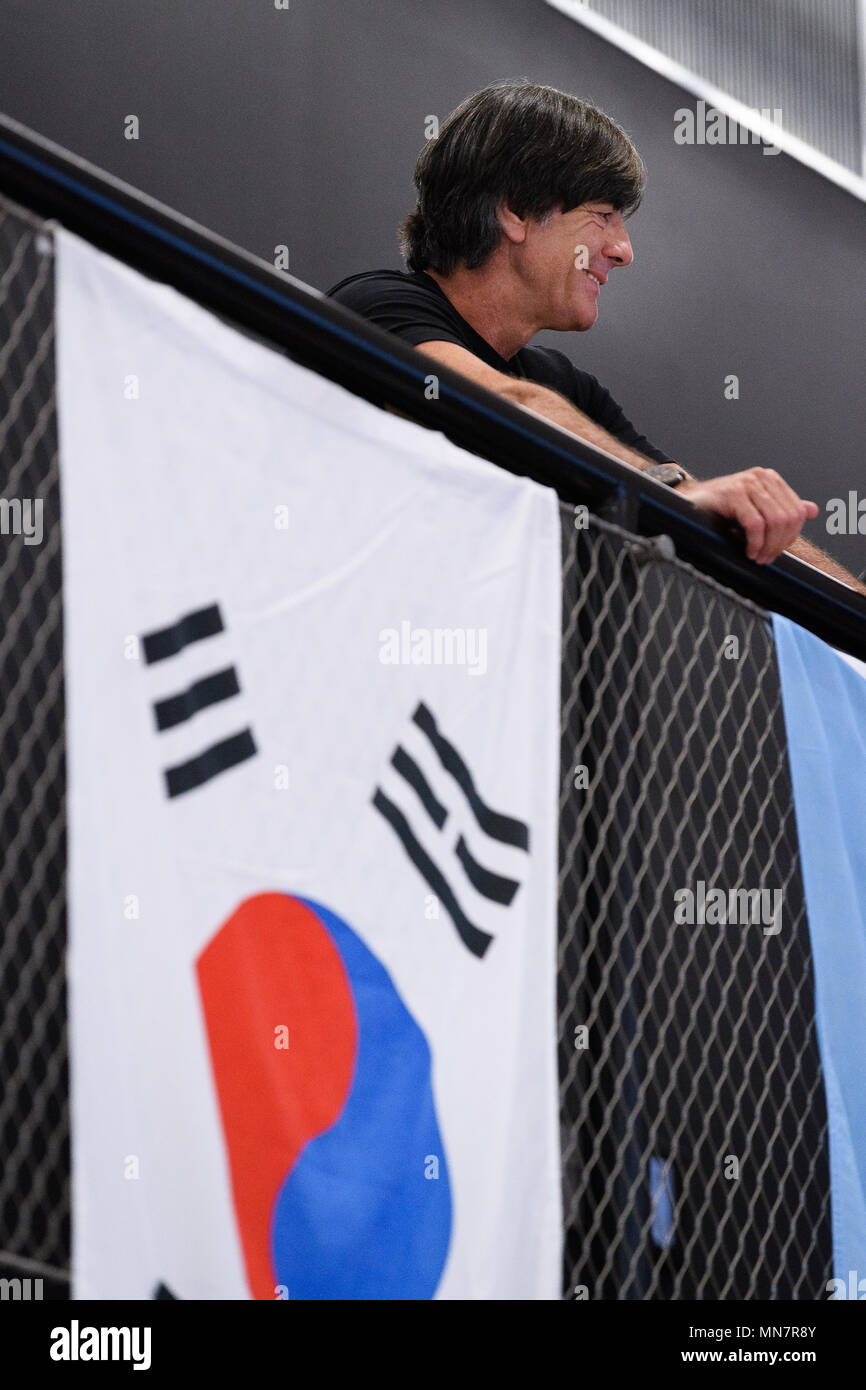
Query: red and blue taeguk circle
x=338 y=1170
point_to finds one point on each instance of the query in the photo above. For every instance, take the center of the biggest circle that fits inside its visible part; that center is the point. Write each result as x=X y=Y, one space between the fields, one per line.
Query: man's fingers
x=781 y=530
x=782 y=509
x=754 y=525
x=769 y=511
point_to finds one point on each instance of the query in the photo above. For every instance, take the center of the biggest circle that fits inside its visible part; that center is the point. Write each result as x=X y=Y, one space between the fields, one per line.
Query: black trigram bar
x=207 y=691
x=168 y=641
x=218 y=758
x=494 y=886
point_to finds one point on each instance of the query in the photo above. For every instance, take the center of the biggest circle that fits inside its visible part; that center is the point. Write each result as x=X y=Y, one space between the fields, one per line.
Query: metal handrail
x=340 y=345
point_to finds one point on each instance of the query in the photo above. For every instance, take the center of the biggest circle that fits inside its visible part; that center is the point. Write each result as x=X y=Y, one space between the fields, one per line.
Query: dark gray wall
x=302 y=127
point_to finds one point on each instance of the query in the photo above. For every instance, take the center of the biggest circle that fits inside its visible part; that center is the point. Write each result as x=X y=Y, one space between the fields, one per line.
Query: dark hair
x=533 y=147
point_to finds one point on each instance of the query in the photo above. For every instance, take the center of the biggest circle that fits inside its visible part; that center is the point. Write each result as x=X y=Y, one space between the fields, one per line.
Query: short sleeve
x=414 y=313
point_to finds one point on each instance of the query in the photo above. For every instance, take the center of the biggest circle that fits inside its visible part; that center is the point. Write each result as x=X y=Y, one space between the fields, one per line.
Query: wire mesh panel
x=34 y=1151
x=694 y=1126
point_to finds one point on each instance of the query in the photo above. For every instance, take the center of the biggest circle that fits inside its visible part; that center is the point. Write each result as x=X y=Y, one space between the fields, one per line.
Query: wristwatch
x=666 y=473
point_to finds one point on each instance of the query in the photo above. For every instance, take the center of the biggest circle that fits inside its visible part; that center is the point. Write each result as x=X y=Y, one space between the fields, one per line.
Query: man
x=519 y=223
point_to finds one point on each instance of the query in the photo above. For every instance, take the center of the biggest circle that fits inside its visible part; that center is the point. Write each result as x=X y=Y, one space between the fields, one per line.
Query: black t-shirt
x=414 y=307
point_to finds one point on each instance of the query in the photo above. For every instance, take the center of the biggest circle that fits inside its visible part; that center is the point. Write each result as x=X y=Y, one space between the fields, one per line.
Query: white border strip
x=861 y=71
x=744 y=115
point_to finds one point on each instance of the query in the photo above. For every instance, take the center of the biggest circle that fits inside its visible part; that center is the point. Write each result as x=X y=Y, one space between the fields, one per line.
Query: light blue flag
x=824 y=700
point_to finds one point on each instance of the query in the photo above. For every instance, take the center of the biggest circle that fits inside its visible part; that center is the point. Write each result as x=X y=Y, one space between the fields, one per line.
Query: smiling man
x=522 y=201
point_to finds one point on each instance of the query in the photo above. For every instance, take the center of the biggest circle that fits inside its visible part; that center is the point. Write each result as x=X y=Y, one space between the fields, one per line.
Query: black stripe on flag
x=218 y=758
x=408 y=768
x=168 y=641
x=472 y=937
x=222 y=685
x=494 y=886
x=498 y=826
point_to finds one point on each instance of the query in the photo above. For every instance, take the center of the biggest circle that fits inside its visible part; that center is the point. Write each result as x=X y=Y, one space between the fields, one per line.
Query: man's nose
x=618 y=247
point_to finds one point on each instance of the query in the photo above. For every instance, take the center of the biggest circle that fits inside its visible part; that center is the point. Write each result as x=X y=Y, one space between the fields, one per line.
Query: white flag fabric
x=312 y=674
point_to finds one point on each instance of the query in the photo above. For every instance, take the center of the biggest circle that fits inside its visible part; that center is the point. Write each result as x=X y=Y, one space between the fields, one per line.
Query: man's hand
x=766 y=508
x=769 y=511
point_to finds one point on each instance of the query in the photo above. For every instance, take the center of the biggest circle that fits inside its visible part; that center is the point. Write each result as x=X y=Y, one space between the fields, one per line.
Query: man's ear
x=513 y=226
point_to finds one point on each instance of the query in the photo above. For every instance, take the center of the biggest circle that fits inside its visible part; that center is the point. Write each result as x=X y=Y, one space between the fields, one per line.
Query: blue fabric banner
x=824 y=701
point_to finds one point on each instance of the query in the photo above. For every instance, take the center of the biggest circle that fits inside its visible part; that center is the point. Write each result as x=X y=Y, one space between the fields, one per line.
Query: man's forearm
x=804 y=550
x=549 y=405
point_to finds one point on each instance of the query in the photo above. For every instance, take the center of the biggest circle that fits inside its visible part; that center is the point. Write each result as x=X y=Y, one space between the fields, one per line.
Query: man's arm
x=805 y=550
x=539 y=400
x=758 y=499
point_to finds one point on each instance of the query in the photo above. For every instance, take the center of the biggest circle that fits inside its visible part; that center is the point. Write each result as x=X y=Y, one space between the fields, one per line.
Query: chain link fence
x=34 y=1118
x=693 y=1123
x=693 y=1115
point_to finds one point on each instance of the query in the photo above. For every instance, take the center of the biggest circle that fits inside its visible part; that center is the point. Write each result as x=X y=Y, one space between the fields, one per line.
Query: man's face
x=561 y=255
